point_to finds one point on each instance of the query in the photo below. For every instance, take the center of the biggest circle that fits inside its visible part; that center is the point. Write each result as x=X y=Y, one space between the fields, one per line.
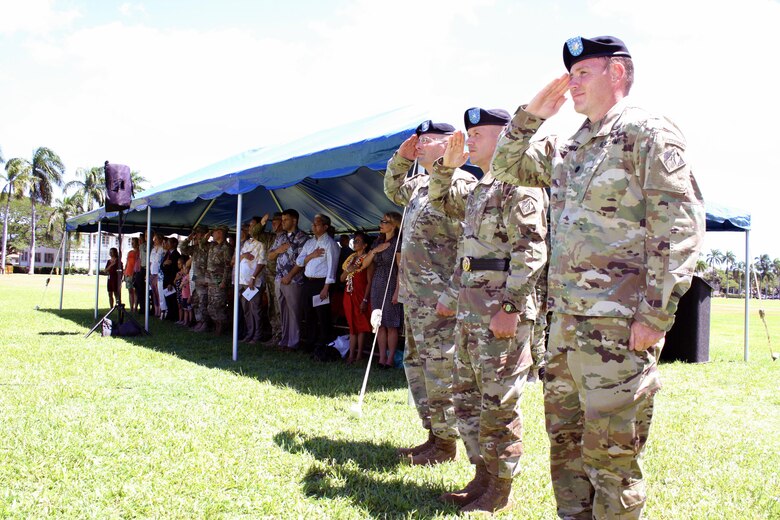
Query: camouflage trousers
x=539 y=341
x=429 y=363
x=200 y=302
x=274 y=314
x=598 y=399
x=490 y=375
x=218 y=300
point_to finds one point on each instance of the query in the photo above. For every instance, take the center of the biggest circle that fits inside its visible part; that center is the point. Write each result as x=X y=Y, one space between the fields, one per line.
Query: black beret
x=578 y=48
x=480 y=117
x=429 y=127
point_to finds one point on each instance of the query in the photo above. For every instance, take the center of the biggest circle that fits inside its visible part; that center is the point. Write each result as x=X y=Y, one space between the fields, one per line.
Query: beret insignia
x=474 y=116
x=425 y=126
x=575 y=45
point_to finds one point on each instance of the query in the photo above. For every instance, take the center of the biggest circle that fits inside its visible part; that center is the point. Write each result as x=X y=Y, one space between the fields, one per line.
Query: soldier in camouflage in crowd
x=503 y=252
x=196 y=245
x=627 y=225
x=428 y=257
x=218 y=277
x=267 y=239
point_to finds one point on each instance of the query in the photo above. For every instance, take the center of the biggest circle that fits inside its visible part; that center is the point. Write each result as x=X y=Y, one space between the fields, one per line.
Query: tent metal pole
x=747 y=294
x=203 y=214
x=335 y=216
x=148 y=255
x=275 y=199
x=97 y=268
x=62 y=267
x=236 y=270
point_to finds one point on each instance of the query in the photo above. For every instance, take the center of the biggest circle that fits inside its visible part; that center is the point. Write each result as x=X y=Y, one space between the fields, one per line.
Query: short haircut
x=628 y=64
x=291 y=213
x=324 y=218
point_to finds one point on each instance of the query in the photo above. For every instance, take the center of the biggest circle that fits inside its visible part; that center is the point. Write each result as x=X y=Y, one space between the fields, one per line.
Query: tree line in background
x=722 y=271
x=29 y=211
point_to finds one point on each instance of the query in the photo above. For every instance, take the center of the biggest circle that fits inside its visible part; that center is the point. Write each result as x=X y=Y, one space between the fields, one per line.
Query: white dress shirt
x=247 y=267
x=323 y=266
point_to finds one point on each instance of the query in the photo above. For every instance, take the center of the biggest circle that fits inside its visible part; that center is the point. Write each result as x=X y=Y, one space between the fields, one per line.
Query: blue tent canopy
x=336 y=172
x=721 y=218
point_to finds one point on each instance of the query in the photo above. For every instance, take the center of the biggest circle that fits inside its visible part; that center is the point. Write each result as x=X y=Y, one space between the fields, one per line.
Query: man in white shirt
x=317 y=260
x=252 y=255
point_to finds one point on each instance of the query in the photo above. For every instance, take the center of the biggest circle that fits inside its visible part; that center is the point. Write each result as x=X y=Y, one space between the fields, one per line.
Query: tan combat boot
x=442 y=451
x=496 y=498
x=425 y=446
x=473 y=489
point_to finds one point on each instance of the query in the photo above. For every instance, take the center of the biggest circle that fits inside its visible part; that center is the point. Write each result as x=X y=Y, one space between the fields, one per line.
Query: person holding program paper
x=317 y=260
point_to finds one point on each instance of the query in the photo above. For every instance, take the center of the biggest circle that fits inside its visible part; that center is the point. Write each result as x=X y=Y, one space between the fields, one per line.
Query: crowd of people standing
x=295 y=289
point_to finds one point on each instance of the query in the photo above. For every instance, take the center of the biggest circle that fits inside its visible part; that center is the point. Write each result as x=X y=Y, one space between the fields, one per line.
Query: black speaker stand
x=123 y=314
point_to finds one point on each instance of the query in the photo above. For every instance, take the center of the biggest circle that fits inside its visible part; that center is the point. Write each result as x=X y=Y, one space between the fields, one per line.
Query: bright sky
x=169 y=87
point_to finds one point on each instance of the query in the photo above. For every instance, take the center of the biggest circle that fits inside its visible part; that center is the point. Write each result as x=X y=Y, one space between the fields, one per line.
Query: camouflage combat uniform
x=428 y=257
x=501 y=221
x=218 y=269
x=274 y=316
x=627 y=224
x=199 y=251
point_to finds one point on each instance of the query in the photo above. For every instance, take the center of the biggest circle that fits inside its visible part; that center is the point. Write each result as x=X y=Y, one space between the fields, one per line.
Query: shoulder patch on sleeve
x=527 y=206
x=672 y=159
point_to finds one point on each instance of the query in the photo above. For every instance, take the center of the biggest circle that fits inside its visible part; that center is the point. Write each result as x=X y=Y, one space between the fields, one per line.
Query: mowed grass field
x=168 y=426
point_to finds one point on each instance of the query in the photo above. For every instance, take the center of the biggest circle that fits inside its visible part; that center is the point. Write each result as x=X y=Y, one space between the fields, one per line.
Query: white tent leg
x=747 y=294
x=148 y=254
x=62 y=267
x=239 y=208
x=97 y=269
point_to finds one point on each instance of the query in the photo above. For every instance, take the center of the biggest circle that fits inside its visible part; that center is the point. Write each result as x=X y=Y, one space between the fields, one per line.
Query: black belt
x=469 y=263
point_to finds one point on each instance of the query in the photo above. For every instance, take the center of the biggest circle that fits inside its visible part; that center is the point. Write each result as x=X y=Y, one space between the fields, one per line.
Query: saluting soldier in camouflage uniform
x=627 y=224
x=267 y=239
x=428 y=257
x=218 y=276
x=196 y=246
x=503 y=253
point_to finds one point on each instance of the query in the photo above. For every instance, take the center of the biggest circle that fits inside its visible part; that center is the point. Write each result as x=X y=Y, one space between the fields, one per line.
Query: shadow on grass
x=358 y=471
x=293 y=369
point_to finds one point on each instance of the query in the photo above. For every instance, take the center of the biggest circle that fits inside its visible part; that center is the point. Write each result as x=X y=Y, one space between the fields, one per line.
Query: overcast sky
x=168 y=87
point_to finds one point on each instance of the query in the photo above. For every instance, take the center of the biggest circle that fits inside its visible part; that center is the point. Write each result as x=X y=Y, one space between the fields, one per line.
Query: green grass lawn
x=168 y=426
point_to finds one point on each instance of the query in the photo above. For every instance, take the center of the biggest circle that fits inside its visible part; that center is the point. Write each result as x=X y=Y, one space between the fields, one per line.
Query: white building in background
x=78 y=252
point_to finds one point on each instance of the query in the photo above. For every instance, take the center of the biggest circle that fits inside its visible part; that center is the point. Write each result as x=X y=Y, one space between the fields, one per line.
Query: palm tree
x=729 y=258
x=138 y=181
x=68 y=206
x=776 y=272
x=91 y=185
x=763 y=268
x=16 y=176
x=739 y=275
x=701 y=266
x=46 y=171
x=714 y=258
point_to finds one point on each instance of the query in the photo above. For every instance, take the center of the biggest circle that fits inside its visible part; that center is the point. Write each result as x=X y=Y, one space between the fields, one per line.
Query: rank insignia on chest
x=672 y=160
x=527 y=206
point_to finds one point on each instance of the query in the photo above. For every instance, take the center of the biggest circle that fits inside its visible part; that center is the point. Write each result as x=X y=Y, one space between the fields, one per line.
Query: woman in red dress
x=356 y=293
